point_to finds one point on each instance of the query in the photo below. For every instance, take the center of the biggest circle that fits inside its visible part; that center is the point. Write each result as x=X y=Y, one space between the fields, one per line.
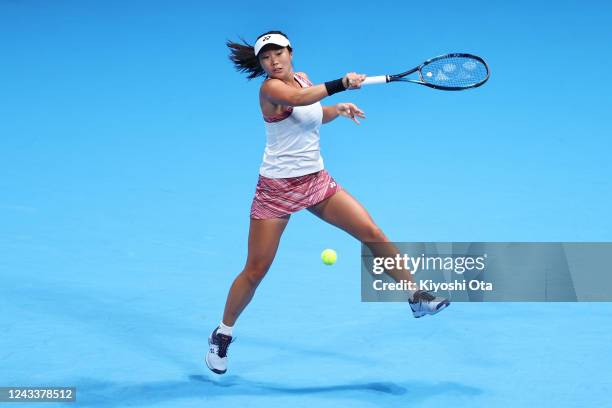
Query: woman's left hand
x=350 y=110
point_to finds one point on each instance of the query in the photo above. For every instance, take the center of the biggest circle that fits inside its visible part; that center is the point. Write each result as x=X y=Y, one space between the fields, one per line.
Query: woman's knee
x=372 y=233
x=255 y=270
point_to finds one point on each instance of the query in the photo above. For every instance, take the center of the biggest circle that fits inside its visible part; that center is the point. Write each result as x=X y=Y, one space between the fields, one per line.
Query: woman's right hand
x=352 y=80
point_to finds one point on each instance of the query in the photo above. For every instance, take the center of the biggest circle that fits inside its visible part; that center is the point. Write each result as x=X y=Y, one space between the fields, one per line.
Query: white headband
x=277 y=39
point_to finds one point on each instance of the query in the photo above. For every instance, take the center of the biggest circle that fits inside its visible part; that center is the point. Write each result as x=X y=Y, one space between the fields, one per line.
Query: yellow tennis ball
x=329 y=256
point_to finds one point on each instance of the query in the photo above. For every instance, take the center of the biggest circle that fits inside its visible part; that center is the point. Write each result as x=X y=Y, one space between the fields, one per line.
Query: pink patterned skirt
x=276 y=198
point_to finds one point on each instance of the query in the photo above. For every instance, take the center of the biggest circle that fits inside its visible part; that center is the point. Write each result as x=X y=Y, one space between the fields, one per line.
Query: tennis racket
x=450 y=72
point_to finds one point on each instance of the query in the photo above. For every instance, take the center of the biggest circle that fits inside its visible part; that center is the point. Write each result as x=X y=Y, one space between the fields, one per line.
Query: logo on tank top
x=332 y=184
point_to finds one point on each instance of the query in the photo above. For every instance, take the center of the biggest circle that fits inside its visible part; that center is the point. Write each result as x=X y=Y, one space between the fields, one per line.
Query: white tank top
x=292 y=140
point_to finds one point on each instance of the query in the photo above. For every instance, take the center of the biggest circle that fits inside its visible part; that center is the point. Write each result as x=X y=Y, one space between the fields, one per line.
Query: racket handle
x=381 y=79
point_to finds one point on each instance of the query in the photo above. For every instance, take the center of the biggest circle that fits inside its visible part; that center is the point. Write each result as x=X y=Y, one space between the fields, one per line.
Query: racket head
x=450 y=72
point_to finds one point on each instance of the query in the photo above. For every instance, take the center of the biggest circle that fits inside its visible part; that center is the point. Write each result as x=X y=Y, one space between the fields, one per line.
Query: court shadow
x=232 y=381
x=209 y=389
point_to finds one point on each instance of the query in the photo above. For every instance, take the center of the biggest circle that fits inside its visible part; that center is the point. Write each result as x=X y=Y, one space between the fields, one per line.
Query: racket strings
x=454 y=72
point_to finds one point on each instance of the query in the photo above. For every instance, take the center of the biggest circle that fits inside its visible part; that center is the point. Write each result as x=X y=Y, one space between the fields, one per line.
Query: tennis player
x=292 y=176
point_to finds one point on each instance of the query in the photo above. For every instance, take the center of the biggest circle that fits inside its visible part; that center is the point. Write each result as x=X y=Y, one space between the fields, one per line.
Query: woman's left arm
x=346 y=109
x=329 y=113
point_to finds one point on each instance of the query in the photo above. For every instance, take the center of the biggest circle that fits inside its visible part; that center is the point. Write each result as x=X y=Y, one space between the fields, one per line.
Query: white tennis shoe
x=216 y=358
x=424 y=303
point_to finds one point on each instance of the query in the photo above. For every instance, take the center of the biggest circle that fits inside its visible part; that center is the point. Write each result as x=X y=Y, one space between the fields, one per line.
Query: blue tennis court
x=129 y=154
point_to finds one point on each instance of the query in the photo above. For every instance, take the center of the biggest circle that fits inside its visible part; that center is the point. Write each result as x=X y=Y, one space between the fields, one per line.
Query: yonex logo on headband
x=277 y=39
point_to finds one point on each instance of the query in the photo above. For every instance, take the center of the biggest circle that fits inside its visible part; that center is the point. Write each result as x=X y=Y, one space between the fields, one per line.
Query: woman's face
x=276 y=63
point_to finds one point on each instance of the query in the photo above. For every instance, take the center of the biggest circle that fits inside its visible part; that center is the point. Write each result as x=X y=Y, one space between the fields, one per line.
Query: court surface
x=123 y=315
x=129 y=153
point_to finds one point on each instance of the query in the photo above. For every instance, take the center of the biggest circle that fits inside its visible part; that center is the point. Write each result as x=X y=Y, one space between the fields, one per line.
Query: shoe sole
x=214 y=370
x=441 y=306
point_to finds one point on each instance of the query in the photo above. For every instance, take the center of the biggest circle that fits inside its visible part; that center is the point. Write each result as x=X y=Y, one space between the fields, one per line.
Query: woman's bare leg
x=264 y=237
x=345 y=212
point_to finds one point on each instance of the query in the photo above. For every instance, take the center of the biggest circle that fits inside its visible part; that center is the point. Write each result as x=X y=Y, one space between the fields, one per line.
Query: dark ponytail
x=244 y=59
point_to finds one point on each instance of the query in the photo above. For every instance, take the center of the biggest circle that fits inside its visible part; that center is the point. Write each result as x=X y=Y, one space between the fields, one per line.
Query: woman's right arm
x=279 y=93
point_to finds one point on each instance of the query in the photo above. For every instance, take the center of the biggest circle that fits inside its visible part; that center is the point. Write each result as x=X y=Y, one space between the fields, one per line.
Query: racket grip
x=381 y=79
